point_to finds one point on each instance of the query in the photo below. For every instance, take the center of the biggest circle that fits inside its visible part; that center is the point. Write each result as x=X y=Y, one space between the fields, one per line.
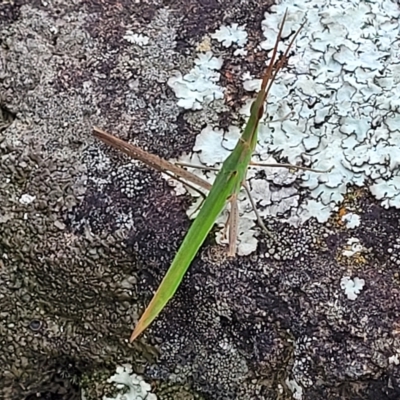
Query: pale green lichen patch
x=199 y=85
x=335 y=107
x=128 y=385
x=230 y=34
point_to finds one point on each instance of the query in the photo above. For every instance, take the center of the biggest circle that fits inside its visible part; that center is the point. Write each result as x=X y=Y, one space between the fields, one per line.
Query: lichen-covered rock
x=87 y=234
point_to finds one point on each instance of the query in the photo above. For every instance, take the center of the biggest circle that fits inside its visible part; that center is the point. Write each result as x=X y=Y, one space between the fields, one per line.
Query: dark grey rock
x=79 y=263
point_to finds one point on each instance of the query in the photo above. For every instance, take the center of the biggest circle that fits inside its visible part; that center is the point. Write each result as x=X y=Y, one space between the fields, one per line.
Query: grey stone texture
x=79 y=262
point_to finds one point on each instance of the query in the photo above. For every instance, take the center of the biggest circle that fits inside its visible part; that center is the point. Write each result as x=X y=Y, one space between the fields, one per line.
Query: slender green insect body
x=225 y=188
x=227 y=183
x=195 y=237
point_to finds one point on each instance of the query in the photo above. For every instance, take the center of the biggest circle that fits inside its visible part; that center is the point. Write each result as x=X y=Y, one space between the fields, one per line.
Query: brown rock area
x=86 y=236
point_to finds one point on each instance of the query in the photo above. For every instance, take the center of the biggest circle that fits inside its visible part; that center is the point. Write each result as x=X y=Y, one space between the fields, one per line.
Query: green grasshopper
x=226 y=187
x=175 y=171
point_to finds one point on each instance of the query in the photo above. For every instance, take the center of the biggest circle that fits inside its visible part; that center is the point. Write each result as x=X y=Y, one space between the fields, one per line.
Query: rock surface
x=86 y=235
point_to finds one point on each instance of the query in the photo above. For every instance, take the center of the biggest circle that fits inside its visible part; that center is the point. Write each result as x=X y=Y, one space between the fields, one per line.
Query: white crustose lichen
x=130 y=385
x=200 y=84
x=136 y=38
x=352 y=287
x=228 y=35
